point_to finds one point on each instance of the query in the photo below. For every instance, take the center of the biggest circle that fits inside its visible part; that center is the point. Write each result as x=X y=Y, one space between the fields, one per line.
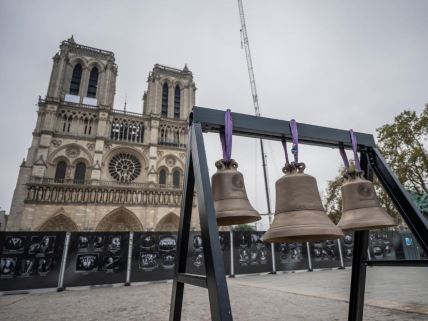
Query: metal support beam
x=212 y=120
x=358 y=276
x=183 y=235
x=217 y=287
x=197 y=174
x=397 y=263
x=399 y=196
x=193 y=279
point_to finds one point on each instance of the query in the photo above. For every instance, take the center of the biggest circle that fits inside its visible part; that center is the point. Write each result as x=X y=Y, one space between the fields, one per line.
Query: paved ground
x=318 y=296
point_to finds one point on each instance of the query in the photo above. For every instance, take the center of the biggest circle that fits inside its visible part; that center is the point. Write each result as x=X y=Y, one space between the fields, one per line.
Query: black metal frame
x=211 y=120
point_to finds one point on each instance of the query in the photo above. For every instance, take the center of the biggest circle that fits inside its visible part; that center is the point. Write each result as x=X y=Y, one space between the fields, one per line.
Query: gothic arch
x=179 y=84
x=169 y=222
x=56 y=160
x=78 y=60
x=95 y=63
x=168 y=81
x=81 y=159
x=62 y=152
x=167 y=173
x=120 y=220
x=178 y=162
x=59 y=222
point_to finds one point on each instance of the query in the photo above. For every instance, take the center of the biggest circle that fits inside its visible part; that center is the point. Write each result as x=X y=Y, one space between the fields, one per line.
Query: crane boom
x=246 y=46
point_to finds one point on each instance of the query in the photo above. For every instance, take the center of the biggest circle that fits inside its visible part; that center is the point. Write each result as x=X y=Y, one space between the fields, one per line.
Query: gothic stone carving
x=170 y=161
x=56 y=142
x=72 y=151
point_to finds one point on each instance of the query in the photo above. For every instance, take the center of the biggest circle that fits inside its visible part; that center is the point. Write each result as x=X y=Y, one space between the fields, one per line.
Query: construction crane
x=246 y=45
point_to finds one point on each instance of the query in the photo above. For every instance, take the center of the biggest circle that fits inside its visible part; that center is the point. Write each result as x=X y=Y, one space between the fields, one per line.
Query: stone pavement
x=318 y=296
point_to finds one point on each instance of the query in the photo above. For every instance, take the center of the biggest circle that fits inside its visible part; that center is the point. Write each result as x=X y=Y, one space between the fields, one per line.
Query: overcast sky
x=345 y=64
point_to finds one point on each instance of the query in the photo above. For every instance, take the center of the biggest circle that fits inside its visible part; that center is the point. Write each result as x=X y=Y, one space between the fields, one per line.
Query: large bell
x=230 y=198
x=299 y=213
x=360 y=206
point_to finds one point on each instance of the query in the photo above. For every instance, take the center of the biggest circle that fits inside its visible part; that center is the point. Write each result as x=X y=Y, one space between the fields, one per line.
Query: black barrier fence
x=291 y=256
x=347 y=247
x=386 y=245
x=195 y=259
x=251 y=254
x=96 y=258
x=30 y=260
x=153 y=256
x=325 y=254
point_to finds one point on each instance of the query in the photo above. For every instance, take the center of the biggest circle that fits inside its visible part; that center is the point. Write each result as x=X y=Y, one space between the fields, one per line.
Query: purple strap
x=295 y=140
x=284 y=144
x=355 y=149
x=344 y=157
x=226 y=136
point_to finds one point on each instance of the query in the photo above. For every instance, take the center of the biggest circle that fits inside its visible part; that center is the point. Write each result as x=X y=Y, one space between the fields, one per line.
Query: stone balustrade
x=93 y=194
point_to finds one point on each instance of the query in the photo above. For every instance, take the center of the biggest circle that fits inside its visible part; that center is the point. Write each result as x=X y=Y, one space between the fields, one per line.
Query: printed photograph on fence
x=251 y=254
x=291 y=256
x=195 y=256
x=385 y=245
x=153 y=256
x=96 y=258
x=347 y=245
x=325 y=254
x=30 y=260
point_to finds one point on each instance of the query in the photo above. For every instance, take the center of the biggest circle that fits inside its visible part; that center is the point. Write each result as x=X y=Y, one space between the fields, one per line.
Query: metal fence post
x=128 y=265
x=272 y=248
x=342 y=264
x=232 y=263
x=309 y=257
x=63 y=263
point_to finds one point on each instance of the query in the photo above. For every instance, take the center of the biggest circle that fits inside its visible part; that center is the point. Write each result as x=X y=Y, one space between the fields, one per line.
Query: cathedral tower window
x=164 y=111
x=88 y=126
x=79 y=175
x=67 y=120
x=61 y=168
x=75 y=80
x=177 y=102
x=162 y=177
x=176 y=138
x=176 y=178
x=93 y=83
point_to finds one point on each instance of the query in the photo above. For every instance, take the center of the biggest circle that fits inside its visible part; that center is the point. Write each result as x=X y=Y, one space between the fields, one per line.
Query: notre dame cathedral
x=91 y=167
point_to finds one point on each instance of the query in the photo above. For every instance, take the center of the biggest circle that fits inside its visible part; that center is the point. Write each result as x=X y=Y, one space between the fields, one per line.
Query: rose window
x=124 y=167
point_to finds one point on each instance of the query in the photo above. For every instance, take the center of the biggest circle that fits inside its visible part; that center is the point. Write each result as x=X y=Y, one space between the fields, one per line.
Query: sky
x=342 y=64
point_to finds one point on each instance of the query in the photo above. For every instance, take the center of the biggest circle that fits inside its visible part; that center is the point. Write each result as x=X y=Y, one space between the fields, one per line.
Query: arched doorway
x=59 y=222
x=120 y=220
x=168 y=223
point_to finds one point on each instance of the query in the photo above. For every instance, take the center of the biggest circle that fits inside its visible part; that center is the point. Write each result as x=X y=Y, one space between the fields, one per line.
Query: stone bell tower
x=83 y=75
x=77 y=104
x=93 y=167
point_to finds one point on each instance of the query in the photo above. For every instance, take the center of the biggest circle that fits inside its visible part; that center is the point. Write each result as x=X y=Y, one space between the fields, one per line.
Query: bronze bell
x=299 y=213
x=230 y=198
x=360 y=206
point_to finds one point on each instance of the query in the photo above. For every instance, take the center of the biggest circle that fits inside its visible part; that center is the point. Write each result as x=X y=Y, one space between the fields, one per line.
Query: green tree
x=244 y=227
x=402 y=145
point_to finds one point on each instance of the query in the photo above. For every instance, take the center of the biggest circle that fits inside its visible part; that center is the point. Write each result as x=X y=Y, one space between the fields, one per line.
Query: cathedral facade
x=91 y=167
